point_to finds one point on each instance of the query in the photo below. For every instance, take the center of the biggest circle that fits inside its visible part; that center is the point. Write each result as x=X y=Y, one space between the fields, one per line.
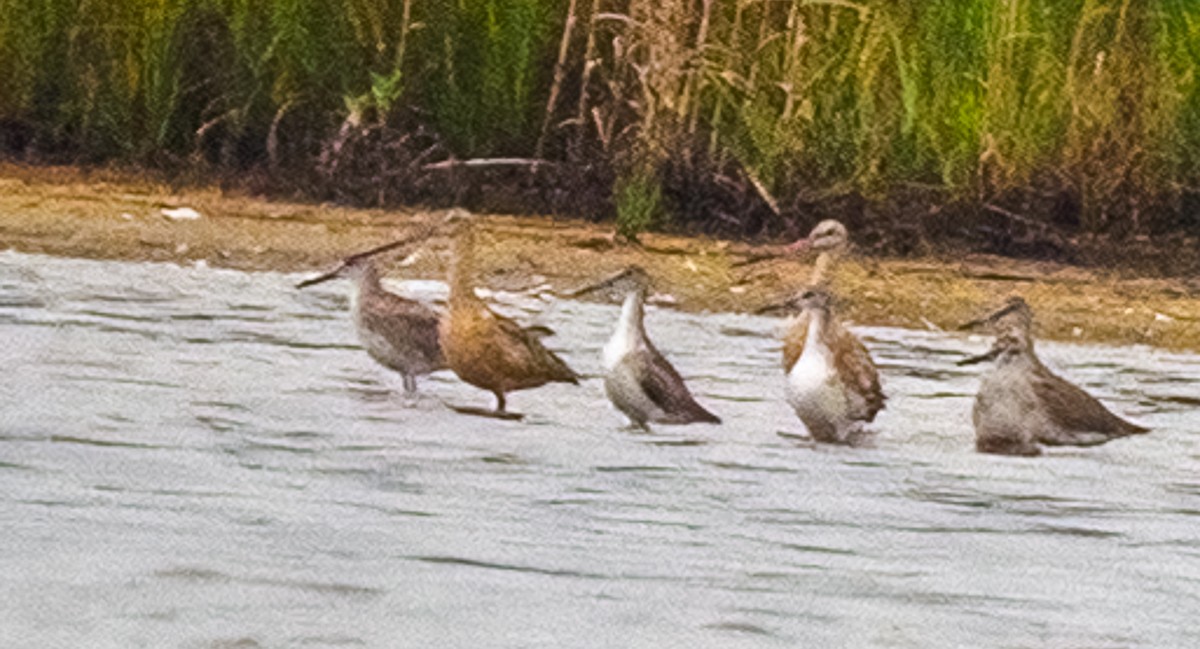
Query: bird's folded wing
x=858 y=371
x=663 y=385
x=793 y=340
x=1072 y=409
x=526 y=351
x=409 y=320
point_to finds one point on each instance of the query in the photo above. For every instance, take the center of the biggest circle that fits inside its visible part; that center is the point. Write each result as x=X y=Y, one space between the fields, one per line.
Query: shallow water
x=205 y=458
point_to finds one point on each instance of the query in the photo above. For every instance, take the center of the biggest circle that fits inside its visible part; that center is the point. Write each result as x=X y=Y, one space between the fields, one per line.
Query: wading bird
x=399 y=333
x=832 y=384
x=830 y=240
x=1021 y=404
x=486 y=349
x=639 y=381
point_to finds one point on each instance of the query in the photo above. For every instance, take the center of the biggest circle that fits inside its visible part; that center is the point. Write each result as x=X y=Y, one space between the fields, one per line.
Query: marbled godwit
x=831 y=240
x=1021 y=404
x=833 y=384
x=486 y=349
x=639 y=381
x=399 y=333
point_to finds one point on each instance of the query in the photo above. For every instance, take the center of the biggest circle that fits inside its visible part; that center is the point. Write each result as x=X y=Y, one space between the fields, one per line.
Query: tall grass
x=1177 y=143
x=790 y=100
x=486 y=71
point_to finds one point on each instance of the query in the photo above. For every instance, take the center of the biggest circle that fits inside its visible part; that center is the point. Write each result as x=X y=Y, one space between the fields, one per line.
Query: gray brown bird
x=832 y=383
x=399 y=333
x=1021 y=404
x=486 y=349
x=638 y=379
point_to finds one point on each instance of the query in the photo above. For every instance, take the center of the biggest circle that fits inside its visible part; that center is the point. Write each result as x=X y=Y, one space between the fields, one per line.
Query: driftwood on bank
x=453 y=163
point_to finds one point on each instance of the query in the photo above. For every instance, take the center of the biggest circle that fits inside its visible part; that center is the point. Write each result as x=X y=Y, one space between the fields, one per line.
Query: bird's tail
x=559 y=370
x=702 y=415
x=1130 y=428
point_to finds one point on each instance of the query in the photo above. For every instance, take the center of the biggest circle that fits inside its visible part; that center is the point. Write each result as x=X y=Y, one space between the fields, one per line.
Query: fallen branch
x=991 y=207
x=774 y=307
x=999 y=276
x=489 y=162
x=750 y=260
x=1020 y=218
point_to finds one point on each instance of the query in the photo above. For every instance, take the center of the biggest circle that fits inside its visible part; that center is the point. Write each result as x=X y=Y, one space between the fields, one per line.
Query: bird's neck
x=818 y=329
x=629 y=335
x=632 y=314
x=1015 y=345
x=462 y=274
x=370 y=278
x=824 y=267
x=366 y=284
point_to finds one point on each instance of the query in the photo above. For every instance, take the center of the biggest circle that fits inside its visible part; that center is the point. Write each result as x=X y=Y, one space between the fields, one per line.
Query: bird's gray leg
x=410 y=384
x=635 y=426
x=498 y=413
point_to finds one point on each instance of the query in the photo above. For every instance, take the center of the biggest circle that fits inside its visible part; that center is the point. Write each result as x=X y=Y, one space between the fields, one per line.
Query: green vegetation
x=1089 y=103
x=638 y=199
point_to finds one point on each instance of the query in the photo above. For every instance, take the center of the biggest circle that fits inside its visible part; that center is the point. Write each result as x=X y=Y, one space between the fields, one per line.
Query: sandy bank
x=105 y=215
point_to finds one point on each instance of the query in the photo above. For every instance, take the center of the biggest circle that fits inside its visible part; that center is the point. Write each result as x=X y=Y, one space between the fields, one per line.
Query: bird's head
x=829 y=234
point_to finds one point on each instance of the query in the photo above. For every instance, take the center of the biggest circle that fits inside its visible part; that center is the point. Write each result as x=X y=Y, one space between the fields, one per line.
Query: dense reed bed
x=1021 y=118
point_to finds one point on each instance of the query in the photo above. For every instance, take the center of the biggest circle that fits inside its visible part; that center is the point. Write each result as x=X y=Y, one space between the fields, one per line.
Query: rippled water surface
x=205 y=458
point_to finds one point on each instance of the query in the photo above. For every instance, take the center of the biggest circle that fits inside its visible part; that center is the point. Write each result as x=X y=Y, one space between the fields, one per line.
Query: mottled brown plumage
x=793 y=339
x=399 y=333
x=486 y=349
x=831 y=240
x=1021 y=404
x=833 y=385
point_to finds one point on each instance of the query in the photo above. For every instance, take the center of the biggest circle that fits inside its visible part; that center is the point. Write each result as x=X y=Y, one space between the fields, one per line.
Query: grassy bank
x=1008 y=121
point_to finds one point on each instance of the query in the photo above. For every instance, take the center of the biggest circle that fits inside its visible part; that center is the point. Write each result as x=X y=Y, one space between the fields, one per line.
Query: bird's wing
x=1072 y=409
x=407 y=320
x=793 y=340
x=858 y=371
x=528 y=353
x=665 y=387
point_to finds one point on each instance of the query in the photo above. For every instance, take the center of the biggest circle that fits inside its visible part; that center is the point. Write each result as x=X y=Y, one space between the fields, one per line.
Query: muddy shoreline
x=69 y=211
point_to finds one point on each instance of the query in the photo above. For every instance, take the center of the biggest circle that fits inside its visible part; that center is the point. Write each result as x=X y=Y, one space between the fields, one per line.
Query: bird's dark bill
x=318 y=279
x=987 y=356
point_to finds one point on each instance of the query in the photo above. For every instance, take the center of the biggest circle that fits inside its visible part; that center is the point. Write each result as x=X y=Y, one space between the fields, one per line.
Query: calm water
x=204 y=458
